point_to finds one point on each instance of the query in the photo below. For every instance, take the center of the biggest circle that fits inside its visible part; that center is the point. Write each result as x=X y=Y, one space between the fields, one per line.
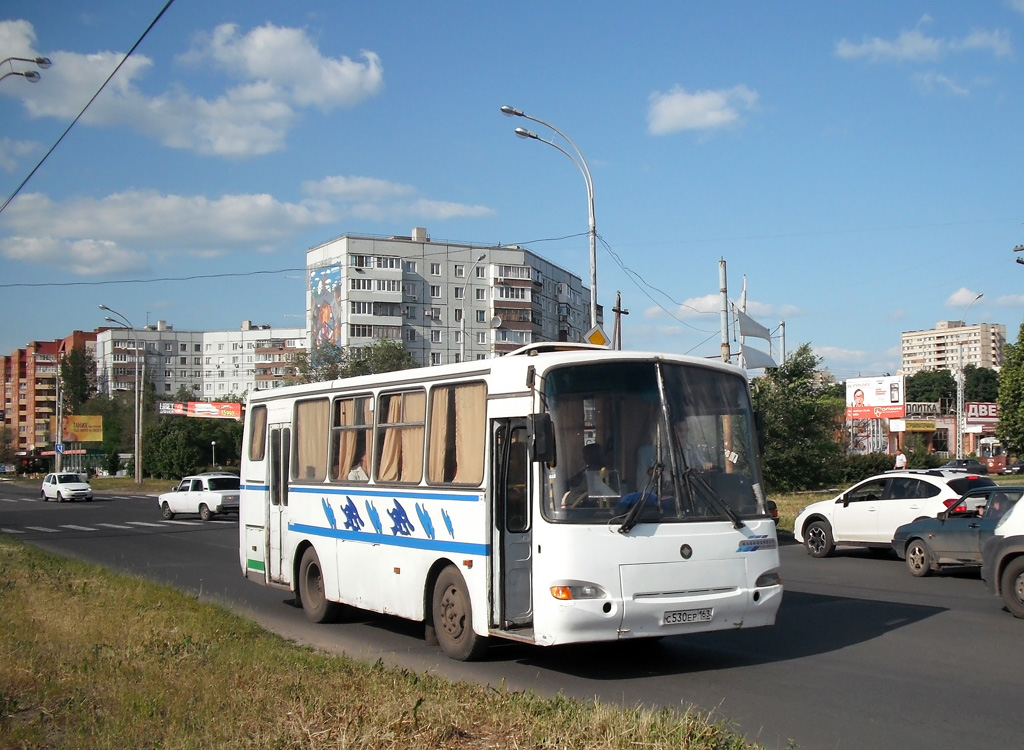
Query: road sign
x=59 y=447
x=597 y=337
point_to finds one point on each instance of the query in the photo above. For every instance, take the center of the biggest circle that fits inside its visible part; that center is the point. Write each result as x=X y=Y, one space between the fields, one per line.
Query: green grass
x=94 y=659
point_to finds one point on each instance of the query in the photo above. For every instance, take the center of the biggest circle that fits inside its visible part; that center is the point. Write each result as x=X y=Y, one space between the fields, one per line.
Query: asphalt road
x=863 y=655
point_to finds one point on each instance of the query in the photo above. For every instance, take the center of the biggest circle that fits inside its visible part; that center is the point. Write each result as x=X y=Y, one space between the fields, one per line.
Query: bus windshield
x=677 y=439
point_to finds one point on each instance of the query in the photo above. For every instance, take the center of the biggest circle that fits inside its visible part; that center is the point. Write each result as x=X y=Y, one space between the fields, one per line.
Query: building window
x=481 y=294
x=435 y=291
x=481 y=316
x=360 y=331
x=460 y=271
x=458 y=314
x=459 y=292
x=410 y=334
x=435 y=358
x=435 y=269
x=481 y=337
x=481 y=272
x=361 y=308
x=435 y=336
x=410 y=266
x=361 y=285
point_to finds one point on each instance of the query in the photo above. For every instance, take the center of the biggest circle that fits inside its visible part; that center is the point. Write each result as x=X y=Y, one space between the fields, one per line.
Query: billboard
x=981 y=413
x=79 y=429
x=206 y=409
x=875 y=398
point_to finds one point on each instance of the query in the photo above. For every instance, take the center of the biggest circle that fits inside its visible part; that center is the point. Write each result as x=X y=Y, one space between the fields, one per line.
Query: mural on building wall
x=326 y=300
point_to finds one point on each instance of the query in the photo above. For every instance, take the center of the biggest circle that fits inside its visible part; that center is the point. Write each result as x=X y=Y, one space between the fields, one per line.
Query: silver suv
x=868 y=514
x=206 y=494
x=1002 y=560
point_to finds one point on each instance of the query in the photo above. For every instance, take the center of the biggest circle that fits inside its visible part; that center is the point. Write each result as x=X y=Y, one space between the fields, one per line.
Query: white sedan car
x=867 y=514
x=65 y=486
x=206 y=494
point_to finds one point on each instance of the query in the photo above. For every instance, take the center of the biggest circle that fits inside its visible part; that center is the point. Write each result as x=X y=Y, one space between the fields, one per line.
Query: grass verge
x=95 y=659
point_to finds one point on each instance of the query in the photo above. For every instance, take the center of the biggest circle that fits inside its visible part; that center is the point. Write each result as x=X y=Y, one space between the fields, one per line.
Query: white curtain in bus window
x=350 y=433
x=257 y=433
x=457 y=424
x=400 y=437
x=311 y=430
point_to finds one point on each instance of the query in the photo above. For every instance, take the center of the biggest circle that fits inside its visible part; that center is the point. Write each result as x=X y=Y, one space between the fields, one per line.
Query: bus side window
x=399 y=437
x=457 y=431
x=310 y=446
x=350 y=439
x=517 y=498
x=257 y=433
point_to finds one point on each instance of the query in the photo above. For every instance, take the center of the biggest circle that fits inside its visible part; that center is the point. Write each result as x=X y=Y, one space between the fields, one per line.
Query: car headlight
x=578 y=591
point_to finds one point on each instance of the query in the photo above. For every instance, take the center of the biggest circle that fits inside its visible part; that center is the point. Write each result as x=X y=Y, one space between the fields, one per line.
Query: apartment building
x=210 y=364
x=29 y=389
x=446 y=302
x=942 y=347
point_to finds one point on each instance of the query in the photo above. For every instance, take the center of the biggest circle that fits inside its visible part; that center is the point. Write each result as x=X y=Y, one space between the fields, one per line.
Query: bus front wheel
x=311 y=590
x=453 y=617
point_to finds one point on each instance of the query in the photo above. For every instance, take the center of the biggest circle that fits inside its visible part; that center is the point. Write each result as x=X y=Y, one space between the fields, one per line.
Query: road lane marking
x=12 y=531
x=113 y=526
x=185 y=523
x=145 y=523
x=77 y=528
x=42 y=528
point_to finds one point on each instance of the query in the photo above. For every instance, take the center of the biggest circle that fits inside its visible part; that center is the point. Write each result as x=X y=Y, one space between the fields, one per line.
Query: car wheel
x=1012 y=586
x=168 y=514
x=311 y=590
x=818 y=539
x=60 y=497
x=204 y=512
x=43 y=495
x=453 y=617
x=919 y=559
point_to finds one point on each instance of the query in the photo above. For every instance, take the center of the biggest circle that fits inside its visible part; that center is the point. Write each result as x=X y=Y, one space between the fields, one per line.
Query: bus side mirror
x=542 y=434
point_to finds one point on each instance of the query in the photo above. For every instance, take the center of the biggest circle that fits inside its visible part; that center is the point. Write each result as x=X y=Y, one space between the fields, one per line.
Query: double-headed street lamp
x=29 y=75
x=960 y=426
x=122 y=320
x=465 y=307
x=580 y=162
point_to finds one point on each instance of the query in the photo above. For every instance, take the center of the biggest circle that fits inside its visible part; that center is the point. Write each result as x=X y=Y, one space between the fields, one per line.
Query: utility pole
x=617 y=327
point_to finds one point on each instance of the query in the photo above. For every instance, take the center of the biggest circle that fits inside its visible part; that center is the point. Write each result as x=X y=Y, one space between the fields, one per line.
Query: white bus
x=560 y=494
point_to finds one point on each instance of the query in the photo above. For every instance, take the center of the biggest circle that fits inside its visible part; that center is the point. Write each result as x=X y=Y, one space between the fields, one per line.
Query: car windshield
x=224 y=483
x=676 y=439
x=68 y=478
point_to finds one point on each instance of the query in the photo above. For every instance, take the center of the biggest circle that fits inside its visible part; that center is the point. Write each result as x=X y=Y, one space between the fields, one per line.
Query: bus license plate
x=679 y=616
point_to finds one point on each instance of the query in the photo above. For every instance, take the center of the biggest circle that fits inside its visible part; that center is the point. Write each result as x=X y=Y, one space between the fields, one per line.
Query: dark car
x=972 y=465
x=1014 y=467
x=955 y=536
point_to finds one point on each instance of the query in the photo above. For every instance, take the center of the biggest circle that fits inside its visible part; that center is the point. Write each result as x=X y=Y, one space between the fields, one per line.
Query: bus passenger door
x=514 y=528
x=277 y=509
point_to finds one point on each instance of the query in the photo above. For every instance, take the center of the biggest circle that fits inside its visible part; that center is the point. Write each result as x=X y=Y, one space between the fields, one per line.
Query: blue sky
x=857 y=162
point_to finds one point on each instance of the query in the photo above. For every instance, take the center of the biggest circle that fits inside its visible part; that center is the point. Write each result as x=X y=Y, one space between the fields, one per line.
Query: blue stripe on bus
x=362 y=491
x=464 y=548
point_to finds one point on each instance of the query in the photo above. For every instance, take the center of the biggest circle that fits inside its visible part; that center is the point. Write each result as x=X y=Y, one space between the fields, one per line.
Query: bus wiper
x=714 y=497
x=633 y=515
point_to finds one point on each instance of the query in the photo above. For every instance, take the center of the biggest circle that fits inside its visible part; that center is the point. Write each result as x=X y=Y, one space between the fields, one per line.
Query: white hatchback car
x=206 y=494
x=65 y=486
x=868 y=514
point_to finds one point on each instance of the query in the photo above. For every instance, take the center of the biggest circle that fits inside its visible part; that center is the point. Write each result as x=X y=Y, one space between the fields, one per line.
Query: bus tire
x=311 y=590
x=453 y=617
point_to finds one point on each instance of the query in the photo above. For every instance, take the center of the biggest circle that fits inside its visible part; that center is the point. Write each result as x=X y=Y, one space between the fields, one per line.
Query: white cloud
x=932 y=81
x=12 y=152
x=134 y=229
x=276 y=71
x=960 y=299
x=916 y=46
x=1010 y=300
x=701 y=110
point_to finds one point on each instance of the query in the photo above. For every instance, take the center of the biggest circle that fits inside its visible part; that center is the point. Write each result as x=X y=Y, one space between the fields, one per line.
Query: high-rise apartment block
x=953 y=343
x=445 y=302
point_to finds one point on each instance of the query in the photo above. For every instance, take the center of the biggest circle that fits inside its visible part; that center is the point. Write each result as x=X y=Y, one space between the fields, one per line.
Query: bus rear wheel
x=452 y=613
x=311 y=590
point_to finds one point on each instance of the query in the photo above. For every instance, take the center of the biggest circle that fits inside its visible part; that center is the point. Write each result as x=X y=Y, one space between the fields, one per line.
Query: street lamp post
x=465 y=307
x=29 y=75
x=960 y=426
x=138 y=391
x=213 y=451
x=582 y=164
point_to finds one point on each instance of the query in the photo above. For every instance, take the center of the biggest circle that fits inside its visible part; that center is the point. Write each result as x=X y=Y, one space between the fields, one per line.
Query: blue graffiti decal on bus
x=374 y=517
x=329 y=512
x=428 y=525
x=400 y=518
x=353 y=521
x=448 y=523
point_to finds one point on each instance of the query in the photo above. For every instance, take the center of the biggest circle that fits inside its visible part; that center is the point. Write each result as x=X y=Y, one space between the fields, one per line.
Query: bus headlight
x=578 y=591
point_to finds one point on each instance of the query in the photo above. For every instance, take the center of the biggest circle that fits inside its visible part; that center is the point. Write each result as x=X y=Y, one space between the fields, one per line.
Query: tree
x=1010 y=428
x=77 y=379
x=800 y=420
x=179 y=445
x=6 y=444
x=931 y=386
x=981 y=384
x=330 y=361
